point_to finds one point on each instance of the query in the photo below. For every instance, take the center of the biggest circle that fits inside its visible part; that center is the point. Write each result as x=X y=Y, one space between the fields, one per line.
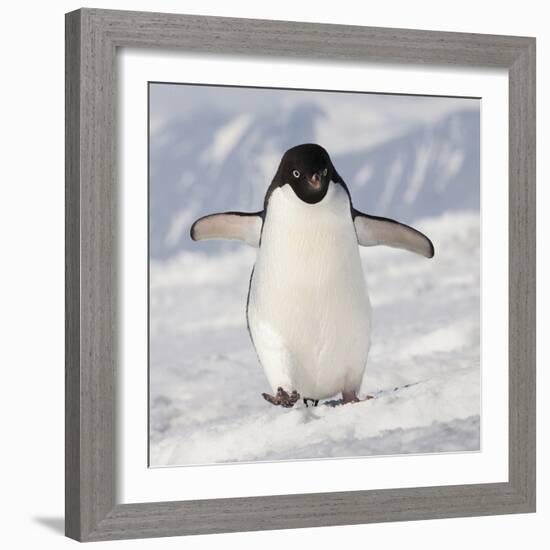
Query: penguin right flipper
x=239 y=226
x=373 y=231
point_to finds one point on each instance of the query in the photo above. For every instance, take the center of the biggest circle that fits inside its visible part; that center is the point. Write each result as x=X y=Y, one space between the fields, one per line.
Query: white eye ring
x=296 y=174
x=325 y=171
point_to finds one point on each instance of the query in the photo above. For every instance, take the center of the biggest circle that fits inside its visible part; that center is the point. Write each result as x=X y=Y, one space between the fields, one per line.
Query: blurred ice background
x=415 y=159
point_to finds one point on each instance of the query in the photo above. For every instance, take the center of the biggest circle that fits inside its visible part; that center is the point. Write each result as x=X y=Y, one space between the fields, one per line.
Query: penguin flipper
x=373 y=231
x=239 y=226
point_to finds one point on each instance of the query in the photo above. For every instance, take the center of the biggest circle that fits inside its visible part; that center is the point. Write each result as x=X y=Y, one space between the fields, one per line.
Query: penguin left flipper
x=373 y=231
x=239 y=226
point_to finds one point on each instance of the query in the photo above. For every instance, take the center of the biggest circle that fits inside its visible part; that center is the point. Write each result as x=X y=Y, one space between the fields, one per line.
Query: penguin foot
x=315 y=402
x=282 y=398
x=351 y=397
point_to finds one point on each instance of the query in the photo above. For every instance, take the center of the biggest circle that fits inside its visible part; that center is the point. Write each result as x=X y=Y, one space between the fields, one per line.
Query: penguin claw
x=282 y=398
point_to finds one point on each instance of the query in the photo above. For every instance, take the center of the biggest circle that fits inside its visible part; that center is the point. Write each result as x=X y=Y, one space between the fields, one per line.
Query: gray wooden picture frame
x=92 y=39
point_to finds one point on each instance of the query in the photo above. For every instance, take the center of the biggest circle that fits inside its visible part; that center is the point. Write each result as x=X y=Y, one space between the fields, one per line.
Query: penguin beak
x=315 y=181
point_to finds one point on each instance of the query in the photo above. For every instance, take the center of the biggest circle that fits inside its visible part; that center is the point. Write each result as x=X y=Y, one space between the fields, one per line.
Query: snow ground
x=423 y=368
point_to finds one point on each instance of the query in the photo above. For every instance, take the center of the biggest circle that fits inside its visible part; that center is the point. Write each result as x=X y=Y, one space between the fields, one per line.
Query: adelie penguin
x=308 y=309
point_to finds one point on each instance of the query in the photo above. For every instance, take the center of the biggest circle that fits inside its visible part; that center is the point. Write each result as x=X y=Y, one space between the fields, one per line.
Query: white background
x=32 y=127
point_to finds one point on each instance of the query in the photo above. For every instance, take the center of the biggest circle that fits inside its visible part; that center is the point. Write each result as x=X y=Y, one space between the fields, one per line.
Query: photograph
x=314 y=274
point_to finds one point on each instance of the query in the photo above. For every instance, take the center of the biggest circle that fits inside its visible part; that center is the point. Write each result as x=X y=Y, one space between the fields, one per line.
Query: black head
x=308 y=170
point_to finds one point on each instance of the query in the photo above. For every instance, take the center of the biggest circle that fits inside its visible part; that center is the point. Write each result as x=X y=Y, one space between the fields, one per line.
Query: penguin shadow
x=334 y=403
x=311 y=413
x=395 y=390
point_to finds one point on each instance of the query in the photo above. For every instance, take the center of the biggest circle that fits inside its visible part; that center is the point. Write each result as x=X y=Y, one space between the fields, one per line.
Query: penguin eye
x=325 y=171
x=296 y=174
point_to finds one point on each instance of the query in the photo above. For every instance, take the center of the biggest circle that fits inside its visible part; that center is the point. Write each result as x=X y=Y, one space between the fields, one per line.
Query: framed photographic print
x=300 y=275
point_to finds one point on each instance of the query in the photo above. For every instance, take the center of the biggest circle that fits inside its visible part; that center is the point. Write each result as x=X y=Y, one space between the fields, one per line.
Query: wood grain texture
x=259 y=38
x=522 y=274
x=91 y=208
x=72 y=277
x=92 y=37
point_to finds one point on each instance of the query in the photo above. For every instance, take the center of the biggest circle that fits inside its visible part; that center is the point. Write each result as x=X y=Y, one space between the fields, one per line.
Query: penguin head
x=308 y=170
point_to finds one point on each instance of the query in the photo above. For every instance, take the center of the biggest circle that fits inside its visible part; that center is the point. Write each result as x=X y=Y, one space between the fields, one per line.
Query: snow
x=363 y=175
x=424 y=154
x=395 y=173
x=423 y=369
x=180 y=223
x=226 y=138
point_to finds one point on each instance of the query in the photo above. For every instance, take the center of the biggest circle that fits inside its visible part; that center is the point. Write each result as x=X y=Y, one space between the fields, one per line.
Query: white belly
x=308 y=310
